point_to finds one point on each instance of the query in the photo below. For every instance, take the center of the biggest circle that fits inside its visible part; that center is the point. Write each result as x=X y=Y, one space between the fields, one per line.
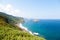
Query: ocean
x=49 y=29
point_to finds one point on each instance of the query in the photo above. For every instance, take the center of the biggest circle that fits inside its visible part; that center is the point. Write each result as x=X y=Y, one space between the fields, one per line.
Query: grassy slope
x=9 y=32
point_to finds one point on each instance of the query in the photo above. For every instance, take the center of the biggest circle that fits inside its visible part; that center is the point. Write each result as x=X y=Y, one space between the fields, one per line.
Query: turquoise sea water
x=49 y=29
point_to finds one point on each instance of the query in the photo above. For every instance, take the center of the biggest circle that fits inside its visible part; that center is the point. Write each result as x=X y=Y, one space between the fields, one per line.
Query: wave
x=24 y=28
x=35 y=33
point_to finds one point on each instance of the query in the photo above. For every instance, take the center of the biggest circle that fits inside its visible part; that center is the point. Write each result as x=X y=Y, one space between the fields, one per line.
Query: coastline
x=26 y=30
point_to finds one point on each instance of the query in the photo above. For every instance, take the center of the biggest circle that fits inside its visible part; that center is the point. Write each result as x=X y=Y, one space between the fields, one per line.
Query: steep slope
x=10 y=32
x=12 y=19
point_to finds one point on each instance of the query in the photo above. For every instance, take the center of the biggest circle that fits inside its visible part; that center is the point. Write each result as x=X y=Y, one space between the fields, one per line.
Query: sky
x=36 y=9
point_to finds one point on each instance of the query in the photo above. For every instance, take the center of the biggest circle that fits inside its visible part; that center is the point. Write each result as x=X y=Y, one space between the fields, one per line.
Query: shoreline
x=25 y=29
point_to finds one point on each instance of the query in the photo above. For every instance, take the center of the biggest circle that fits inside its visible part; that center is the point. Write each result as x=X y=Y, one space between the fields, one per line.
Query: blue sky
x=40 y=9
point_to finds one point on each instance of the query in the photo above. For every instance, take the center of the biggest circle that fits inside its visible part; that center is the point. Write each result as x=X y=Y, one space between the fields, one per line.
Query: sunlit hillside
x=11 y=32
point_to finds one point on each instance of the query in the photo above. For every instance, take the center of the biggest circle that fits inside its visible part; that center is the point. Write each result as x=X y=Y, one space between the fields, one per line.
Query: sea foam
x=24 y=28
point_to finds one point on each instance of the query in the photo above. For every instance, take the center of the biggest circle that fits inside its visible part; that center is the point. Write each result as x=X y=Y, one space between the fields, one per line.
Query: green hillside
x=11 y=32
x=12 y=19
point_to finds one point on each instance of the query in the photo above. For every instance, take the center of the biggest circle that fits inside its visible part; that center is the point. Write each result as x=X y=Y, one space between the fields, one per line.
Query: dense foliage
x=12 y=19
x=10 y=32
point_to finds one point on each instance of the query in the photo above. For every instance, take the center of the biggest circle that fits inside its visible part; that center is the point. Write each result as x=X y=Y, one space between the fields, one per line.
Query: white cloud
x=9 y=10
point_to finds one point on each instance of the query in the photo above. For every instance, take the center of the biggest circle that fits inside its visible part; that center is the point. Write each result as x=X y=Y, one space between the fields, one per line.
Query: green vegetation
x=10 y=32
x=11 y=19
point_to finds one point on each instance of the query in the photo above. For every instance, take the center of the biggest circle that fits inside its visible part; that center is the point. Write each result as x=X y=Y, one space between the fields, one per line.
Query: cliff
x=11 y=32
